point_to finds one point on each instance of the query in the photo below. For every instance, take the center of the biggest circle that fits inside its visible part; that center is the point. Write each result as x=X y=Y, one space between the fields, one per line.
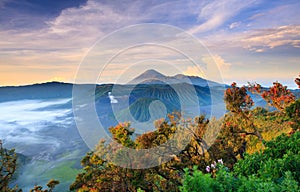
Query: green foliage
x=219 y=179
x=259 y=111
x=281 y=155
x=293 y=112
x=276 y=169
x=289 y=184
x=253 y=183
x=198 y=182
x=225 y=179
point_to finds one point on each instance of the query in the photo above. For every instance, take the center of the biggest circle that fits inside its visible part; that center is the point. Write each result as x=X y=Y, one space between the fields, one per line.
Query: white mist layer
x=22 y=121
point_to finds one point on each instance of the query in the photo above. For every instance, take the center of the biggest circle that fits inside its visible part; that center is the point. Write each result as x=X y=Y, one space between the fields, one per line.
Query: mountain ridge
x=152 y=76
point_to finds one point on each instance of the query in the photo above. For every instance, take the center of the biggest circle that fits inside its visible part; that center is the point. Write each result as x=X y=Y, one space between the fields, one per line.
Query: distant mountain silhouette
x=50 y=90
x=154 y=77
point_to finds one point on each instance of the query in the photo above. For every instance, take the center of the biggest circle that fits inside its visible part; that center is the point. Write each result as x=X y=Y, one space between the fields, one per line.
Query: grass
x=64 y=171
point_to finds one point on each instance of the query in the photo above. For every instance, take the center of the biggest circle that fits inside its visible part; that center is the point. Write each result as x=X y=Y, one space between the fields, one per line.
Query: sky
x=249 y=41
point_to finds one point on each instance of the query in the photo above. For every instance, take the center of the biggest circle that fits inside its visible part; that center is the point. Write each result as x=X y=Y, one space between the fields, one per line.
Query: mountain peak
x=148 y=75
x=151 y=73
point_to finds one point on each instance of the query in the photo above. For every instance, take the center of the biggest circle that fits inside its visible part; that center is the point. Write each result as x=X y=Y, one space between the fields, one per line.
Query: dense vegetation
x=274 y=169
x=254 y=149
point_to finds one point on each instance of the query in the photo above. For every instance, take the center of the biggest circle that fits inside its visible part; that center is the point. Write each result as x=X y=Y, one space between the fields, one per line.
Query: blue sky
x=254 y=40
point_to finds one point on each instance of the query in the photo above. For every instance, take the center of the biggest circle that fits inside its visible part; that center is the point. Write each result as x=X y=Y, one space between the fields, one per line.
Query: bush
x=293 y=112
x=198 y=182
x=275 y=169
x=281 y=155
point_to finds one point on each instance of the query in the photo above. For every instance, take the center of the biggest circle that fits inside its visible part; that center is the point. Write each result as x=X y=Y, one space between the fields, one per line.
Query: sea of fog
x=44 y=132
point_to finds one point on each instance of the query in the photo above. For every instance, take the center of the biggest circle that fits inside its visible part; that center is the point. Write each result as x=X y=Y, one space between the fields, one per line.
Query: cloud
x=28 y=113
x=277 y=15
x=22 y=120
x=273 y=37
x=218 y=60
x=75 y=28
x=259 y=50
x=24 y=124
x=193 y=71
x=55 y=49
x=62 y=43
x=234 y=25
x=216 y=13
x=65 y=39
x=256 y=40
x=86 y=24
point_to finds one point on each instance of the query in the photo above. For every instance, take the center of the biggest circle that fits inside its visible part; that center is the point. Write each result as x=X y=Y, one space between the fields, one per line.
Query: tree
x=101 y=175
x=277 y=96
x=238 y=123
x=297 y=81
x=8 y=164
x=293 y=112
x=51 y=185
x=238 y=102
